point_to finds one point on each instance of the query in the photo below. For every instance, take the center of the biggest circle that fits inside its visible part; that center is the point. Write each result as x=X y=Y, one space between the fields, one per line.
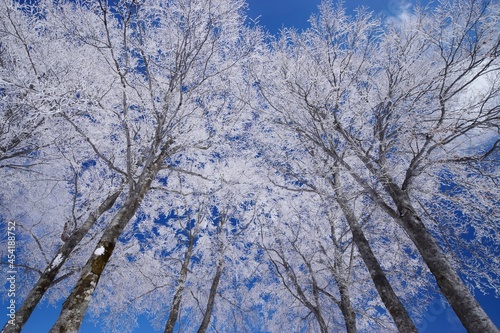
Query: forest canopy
x=165 y=158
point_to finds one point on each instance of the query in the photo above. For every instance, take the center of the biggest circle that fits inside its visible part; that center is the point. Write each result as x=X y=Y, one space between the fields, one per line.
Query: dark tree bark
x=49 y=274
x=211 y=299
x=75 y=306
x=181 y=283
x=299 y=293
x=346 y=308
x=222 y=219
x=338 y=273
x=391 y=301
x=467 y=309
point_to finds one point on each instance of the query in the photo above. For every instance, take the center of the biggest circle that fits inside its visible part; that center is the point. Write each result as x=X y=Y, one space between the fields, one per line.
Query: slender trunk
x=181 y=283
x=343 y=286
x=313 y=308
x=211 y=299
x=321 y=321
x=315 y=290
x=75 y=306
x=300 y=292
x=342 y=276
x=391 y=301
x=223 y=218
x=346 y=308
x=467 y=309
x=49 y=274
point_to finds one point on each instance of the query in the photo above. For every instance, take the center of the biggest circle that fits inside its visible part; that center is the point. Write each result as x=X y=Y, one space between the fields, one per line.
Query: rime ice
x=57 y=260
x=99 y=251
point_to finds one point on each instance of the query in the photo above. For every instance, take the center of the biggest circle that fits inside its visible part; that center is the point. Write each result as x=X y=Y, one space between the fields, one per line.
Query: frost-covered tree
x=185 y=262
x=32 y=88
x=44 y=164
x=333 y=229
x=55 y=245
x=304 y=184
x=402 y=109
x=172 y=64
x=160 y=96
x=315 y=277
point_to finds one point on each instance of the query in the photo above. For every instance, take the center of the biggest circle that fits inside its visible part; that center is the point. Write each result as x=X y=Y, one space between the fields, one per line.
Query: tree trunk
x=343 y=285
x=346 y=308
x=181 y=283
x=315 y=310
x=467 y=309
x=321 y=321
x=75 y=306
x=391 y=301
x=211 y=300
x=51 y=271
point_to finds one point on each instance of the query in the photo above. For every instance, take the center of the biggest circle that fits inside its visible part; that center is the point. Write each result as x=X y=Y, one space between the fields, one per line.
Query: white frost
x=99 y=251
x=57 y=261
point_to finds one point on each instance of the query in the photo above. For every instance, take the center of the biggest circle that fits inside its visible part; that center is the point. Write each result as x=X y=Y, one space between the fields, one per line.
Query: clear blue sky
x=275 y=14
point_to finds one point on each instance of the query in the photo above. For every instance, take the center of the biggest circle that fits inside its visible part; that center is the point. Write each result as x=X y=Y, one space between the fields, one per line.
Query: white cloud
x=399 y=8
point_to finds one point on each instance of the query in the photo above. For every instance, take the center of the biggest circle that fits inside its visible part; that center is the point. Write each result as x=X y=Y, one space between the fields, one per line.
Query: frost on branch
x=100 y=250
x=252 y=151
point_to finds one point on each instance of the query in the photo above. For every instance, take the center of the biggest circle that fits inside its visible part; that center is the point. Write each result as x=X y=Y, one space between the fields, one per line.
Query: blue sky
x=275 y=14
